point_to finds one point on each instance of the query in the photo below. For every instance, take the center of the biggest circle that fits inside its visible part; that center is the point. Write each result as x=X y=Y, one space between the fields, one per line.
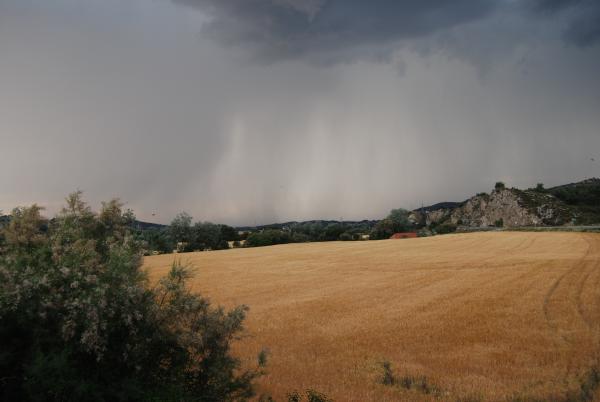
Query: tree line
x=183 y=235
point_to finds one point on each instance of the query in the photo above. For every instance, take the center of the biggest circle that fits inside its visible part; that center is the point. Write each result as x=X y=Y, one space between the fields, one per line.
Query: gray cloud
x=326 y=30
x=126 y=99
x=331 y=31
x=582 y=18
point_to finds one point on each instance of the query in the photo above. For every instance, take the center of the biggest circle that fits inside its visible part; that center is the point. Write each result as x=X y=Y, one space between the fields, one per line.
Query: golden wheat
x=492 y=316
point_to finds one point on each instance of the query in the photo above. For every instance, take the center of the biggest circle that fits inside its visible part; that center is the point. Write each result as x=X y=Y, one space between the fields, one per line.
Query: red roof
x=404 y=235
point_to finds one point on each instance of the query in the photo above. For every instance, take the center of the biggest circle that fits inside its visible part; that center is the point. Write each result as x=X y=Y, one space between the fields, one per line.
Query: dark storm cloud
x=280 y=29
x=126 y=99
x=550 y=6
x=582 y=18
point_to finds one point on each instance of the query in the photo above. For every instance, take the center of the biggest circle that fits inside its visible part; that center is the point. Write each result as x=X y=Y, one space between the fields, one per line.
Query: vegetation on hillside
x=583 y=197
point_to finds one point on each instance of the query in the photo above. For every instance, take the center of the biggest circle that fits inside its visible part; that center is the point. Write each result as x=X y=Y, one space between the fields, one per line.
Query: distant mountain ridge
x=441 y=205
x=292 y=224
x=568 y=204
x=140 y=225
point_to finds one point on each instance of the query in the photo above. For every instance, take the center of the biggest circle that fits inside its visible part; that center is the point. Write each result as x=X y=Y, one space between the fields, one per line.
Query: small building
x=404 y=235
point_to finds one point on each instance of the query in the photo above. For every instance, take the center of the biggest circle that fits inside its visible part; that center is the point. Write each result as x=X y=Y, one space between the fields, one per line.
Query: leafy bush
x=499 y=186
x=79 y=321
x=445 y=228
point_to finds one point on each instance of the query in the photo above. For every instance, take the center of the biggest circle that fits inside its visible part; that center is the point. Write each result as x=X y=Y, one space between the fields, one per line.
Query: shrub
x=420 y=384
x=294 y=397
x=445 y=228
x=425 y=232
x=314 y=396
x=79 y=321
x=311 y=396
x=388 y=376
x=499 y=186
x=499 y=223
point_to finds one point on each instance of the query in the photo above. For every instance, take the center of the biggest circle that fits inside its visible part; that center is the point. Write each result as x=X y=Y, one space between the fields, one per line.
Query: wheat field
x=484 y=316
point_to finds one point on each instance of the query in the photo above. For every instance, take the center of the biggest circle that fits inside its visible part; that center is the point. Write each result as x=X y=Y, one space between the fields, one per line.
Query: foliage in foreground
x=79 y=321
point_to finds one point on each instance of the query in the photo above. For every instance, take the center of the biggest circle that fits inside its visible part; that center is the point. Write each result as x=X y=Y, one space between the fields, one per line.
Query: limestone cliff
x=502 y=207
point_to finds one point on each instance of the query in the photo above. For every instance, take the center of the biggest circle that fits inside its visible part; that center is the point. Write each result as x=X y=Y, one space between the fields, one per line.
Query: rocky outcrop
x=511 y=208
x=503 y=207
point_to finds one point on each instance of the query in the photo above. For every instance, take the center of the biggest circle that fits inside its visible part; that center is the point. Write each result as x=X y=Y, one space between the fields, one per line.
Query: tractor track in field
x=558 y=282
x=594 y=266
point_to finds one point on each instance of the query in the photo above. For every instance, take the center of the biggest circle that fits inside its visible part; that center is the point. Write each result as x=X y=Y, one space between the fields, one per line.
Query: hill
x=582 y=197
x=365 y=224
x=570 y=204
x=140 y=225
x=480 y=316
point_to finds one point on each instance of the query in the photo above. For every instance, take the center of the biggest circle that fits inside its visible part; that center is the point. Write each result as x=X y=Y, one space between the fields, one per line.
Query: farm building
x=404 y=235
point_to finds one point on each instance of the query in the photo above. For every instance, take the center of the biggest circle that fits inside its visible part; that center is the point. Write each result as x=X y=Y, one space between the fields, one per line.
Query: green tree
x=181 y=231
x=333 y=231
x=499 y=186
x=80 y=322
x=399 y=218
x=206 y=236
x=396 y=221
x=155 y=239
x=228 y=233
x=268 y=237
x=346 y=236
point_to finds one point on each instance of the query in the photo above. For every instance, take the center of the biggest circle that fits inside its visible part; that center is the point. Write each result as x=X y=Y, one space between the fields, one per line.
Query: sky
x=258 y=111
